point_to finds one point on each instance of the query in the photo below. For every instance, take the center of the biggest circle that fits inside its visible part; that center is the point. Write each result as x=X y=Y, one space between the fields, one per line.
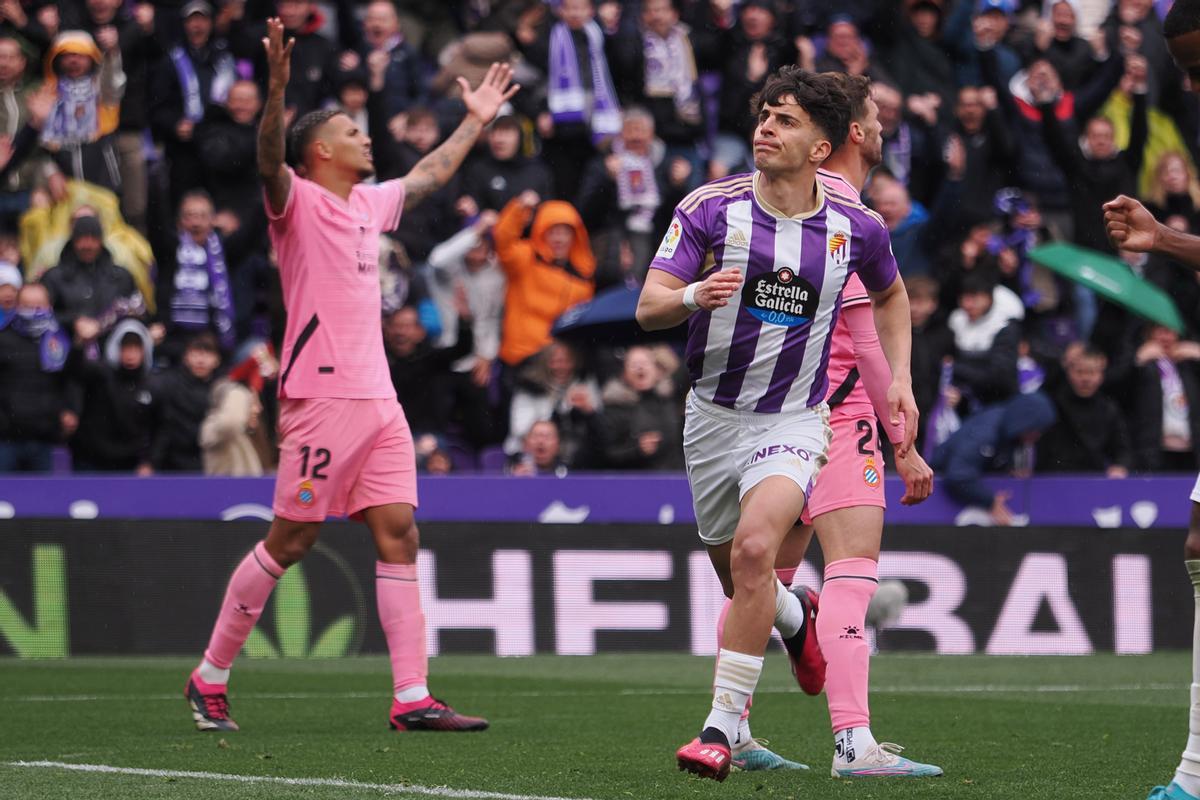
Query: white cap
x=10 y=275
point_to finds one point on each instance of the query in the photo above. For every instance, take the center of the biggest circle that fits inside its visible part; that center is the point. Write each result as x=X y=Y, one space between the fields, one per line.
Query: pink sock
x=849 y=585
x=248 y=591
x=786 y=575
x=398 y=596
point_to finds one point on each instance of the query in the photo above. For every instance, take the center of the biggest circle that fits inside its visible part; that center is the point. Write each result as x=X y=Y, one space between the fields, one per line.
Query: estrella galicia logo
x=780 y=298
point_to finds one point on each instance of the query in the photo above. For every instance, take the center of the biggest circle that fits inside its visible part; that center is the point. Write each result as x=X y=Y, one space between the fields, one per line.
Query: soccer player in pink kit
x=756 y=431
x=847 y=501
x=345 y=447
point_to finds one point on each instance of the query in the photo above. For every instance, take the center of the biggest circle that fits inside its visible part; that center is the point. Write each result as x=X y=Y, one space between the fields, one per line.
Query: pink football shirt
x=328 y=253
x=843 y=355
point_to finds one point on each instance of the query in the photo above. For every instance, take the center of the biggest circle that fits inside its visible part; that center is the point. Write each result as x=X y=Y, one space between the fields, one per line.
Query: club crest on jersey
x=871 y=474
x=671 y=239
x=306 y=495
x=839 y=247
x=780 y=298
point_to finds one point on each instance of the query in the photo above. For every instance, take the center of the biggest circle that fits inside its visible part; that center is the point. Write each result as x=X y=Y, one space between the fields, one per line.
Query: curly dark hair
x=825 y=102
x=857 y=89
x=1183 y=18
x=304 y=130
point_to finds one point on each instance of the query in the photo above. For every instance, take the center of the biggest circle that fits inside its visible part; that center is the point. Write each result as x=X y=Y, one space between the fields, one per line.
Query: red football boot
x=803 y=649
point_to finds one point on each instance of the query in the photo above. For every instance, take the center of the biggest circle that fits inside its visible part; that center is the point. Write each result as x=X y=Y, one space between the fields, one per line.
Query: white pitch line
x=337 y=783
x=997 y=688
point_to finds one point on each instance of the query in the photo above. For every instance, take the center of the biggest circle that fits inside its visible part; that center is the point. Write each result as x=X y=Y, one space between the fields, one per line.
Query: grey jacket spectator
x=465 y=267
x=467 y=263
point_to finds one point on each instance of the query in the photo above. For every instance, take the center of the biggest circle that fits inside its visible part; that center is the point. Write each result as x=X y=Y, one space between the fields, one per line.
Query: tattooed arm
x=271 y=140
x=434 y=170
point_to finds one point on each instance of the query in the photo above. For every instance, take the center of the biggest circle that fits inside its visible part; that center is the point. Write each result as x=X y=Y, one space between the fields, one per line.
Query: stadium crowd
x=140 y=313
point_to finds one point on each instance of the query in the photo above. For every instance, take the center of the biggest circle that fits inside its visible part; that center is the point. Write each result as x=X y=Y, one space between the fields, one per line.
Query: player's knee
x=752 y=561
x=290 y=548
x=1191 y=547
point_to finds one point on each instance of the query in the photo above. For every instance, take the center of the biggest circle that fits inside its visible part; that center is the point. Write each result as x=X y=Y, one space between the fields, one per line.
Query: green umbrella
x=1110 y=278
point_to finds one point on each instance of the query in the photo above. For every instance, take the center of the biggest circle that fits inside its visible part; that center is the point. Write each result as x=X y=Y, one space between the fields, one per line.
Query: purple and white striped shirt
x=767 y=351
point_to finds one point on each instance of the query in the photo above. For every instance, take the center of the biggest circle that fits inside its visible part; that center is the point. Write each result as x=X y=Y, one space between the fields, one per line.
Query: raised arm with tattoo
x=272 y=143
x=434 y=170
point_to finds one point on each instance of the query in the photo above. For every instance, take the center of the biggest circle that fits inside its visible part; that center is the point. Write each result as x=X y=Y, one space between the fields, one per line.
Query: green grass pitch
x=602 y=727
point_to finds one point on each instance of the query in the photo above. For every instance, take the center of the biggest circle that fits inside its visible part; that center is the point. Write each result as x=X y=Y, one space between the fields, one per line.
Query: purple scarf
x=944 y=420
x=76 y=115
x=201 y=284
x=568 y=98
x=40 y=323
x=224 y=77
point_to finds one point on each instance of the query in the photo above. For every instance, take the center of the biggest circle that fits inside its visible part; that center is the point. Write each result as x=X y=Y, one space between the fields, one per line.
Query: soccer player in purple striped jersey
x=756 y=264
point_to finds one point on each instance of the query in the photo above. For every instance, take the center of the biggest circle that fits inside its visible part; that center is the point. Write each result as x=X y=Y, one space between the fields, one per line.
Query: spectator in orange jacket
x=547 y=273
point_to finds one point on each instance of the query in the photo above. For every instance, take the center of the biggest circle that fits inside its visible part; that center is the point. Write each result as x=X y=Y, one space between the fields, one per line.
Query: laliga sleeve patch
x=671 y=239
x=780 y=298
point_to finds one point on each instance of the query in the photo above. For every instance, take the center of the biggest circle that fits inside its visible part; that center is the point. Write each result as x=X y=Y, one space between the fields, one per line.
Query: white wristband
x=689 y=297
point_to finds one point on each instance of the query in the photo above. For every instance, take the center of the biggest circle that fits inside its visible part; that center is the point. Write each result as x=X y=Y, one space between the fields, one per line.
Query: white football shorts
x=729 y=452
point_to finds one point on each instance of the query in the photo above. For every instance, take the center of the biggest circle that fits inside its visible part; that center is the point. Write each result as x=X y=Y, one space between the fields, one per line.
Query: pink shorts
x=854 y=474
x=338 y=457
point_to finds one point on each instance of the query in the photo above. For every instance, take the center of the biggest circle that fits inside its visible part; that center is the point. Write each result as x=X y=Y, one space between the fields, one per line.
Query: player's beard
x=875 y=157
x=366 y=172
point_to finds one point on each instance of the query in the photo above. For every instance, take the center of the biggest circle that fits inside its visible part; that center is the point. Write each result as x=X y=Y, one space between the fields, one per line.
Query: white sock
x=742 y=739
x=211 y=673
x=1187 y=775
x=737 y=675
x=413 y=693
x=851 y=744
x=789 y=612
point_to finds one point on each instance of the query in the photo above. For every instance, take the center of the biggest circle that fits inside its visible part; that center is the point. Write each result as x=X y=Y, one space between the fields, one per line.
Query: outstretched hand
x=494 y=91
x=279 y=55
x=1129 y=225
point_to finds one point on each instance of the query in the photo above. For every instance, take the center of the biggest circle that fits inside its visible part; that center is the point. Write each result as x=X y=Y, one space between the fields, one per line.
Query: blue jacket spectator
x=986 y=442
